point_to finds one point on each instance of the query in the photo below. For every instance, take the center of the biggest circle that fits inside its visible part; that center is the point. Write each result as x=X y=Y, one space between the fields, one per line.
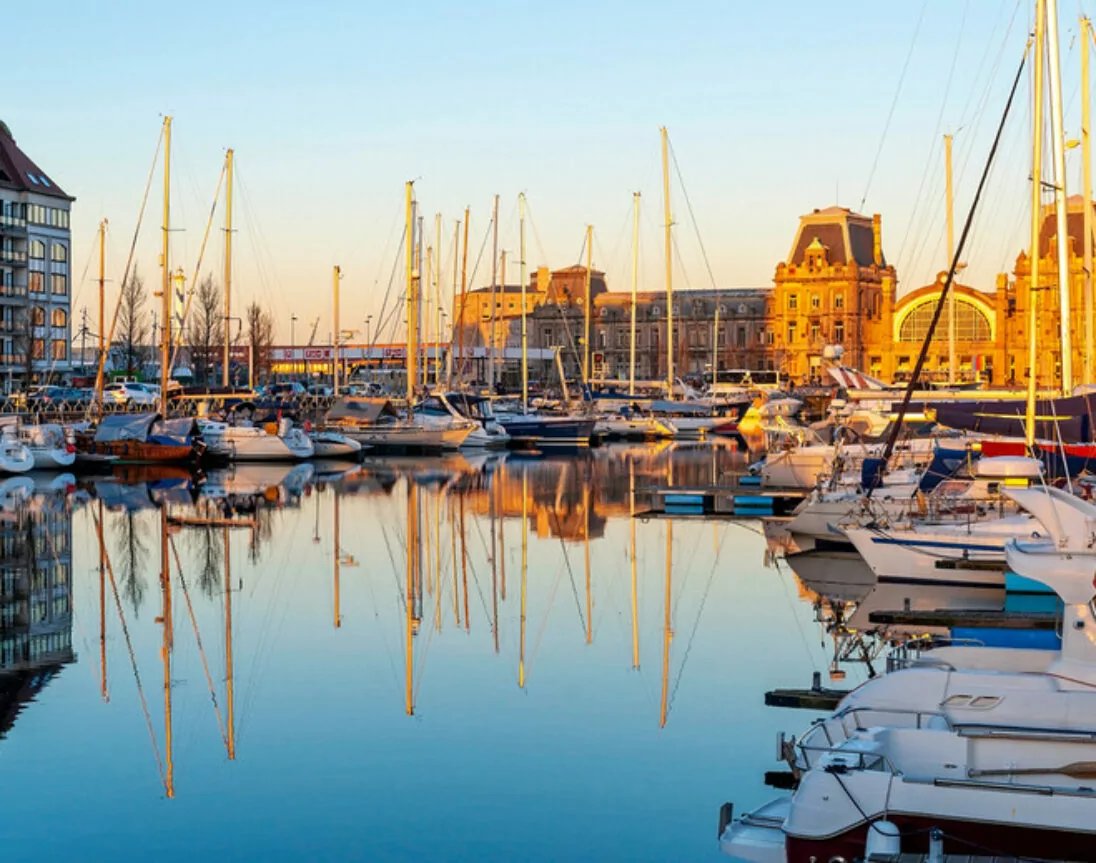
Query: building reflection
x=35 y=596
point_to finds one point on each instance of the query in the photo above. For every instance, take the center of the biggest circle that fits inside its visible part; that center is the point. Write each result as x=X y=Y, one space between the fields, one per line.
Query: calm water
x=380 y=708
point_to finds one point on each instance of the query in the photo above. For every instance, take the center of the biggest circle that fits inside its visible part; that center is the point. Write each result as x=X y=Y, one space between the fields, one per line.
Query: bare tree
x=132 y=560
x=205 y=329
x=260 y=336
x=133 y=326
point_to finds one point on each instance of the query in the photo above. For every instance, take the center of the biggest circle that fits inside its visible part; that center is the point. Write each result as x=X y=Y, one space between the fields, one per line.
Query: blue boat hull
x=549 y=431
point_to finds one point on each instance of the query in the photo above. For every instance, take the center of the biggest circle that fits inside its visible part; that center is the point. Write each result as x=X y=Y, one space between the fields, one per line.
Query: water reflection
x=417 y=621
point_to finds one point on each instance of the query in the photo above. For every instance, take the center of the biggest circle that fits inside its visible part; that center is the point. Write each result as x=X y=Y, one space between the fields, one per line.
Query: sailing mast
x=437 y=301
x=949 y=198
x=1058 y=148
x=669 y=265
x=1036 y=219
x=226 y=359
x=412 y=540
x=165 y=265
x=409 y=242
x=102 y=314
x=420 y=319
x=635 y=284
x=103 y=690
x=1086 y=176
x=337 y=575
x=335 y=276
x=524 y=329
x=632 y=549
x=463 y=291
x=453 y=304
x=494 y=288
x=586 y=311
x=166 y=648
x=668 y=633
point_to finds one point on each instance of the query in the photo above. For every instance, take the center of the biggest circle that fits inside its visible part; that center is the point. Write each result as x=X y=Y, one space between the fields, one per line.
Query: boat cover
x=360 y=410
x=116 y=427
x=1068 y=420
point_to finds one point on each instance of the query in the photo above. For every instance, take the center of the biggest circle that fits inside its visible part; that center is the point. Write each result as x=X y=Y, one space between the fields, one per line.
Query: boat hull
x=550 y=431
x=52 y=458
x=402 y=438
x=139 y=452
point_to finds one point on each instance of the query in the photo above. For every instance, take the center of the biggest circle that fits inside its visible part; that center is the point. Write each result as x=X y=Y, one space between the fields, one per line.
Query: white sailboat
x=280 y=441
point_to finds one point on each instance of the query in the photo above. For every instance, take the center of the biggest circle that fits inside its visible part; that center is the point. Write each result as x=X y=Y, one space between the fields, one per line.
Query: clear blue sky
x=773 y=109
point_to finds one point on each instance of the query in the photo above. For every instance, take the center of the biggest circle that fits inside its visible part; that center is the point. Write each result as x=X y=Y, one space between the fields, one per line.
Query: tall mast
x=494 y=288
x=337 y=575
x=949 y=198
x=230 y=698
x=225 y=360
x=412 y=539
x=635 y=285
x=437 y=301
x=524 y=329
x=463 y=290
x=1086 y=173
x=336 y=274
x=669 y=265
x=102 y=313
x=1058 y=147
x=502 y=277
x=586 y=310
x=420 y=359
x=1036 y=218
x=165 y=263
x=103 y=690
x=409 y=242
x=455 y=322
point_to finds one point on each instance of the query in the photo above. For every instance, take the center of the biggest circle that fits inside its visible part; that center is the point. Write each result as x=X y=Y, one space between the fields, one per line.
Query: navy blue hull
x=550 y=431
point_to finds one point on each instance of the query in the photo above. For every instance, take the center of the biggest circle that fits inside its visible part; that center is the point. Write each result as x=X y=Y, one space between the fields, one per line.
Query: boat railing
x=842 y=725
x=914 y=652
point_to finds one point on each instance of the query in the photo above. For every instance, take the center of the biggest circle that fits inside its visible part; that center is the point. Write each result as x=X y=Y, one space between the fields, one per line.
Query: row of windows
x=53 y=217
x=58 y=349
x=36 y=251
x=837 y=333
x=815 y=302
x=27 y=648
x=58 y=317
x=58 y=283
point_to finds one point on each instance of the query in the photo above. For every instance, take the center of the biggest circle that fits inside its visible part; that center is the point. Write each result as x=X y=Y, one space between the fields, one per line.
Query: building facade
x=35 y=284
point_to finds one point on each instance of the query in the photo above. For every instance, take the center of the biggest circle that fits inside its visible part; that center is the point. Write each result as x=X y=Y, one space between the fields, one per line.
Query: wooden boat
x=140 y=439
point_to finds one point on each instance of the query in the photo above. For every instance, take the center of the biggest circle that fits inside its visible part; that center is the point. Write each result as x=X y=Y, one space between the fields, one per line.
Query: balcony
x=17 y=327
x=13 y=291
x=13 y=256
x=13 y=225
x=19 y=360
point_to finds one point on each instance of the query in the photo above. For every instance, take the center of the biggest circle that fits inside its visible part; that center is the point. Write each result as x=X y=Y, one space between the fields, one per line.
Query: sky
x=773 y=109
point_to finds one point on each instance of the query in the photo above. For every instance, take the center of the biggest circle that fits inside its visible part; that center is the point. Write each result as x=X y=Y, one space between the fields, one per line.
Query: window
x=58 y=284
x=38 y=316
x=36 y=250
x=839 y=332
x=546 y=334
x=58 y=318
x=59 y=349
x=655 y=311
x=816 y=331
x=622 y=338
x=602 y=339
x=38 y=349
x=791 y=332
x=36 y=214
x=816 y=301
x=32 y=178
x=971 y=324
x=36 y=283
x=839 y=301
x=793 y=302
x=740 y=340
x=721 y=336
x=58 y=218
x=58 y=252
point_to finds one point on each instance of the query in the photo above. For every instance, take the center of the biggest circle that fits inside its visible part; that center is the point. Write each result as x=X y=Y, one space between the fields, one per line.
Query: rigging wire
x=894 y=103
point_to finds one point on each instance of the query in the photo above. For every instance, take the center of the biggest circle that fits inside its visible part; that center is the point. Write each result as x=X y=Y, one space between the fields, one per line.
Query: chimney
x=877 y=239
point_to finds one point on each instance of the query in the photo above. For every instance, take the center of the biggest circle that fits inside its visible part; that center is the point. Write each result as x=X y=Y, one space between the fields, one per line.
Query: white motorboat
x=378 y=423
x=636 y=426
x=442 y=411
x=987 y=749
x=333 y=444
x=15 y=456
x=49 y=444
x=280 y=441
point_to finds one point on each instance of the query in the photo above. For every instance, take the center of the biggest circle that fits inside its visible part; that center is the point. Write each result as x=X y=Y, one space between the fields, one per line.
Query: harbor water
x=383 y=679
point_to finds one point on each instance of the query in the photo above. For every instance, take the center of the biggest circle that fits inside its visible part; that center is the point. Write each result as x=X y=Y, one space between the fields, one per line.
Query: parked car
x=286 y=390
x=319 y=390
x=39 y=398
x=129 y=394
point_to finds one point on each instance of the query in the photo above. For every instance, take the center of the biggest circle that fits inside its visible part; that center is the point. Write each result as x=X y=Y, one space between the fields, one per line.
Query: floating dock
x=743 y=499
